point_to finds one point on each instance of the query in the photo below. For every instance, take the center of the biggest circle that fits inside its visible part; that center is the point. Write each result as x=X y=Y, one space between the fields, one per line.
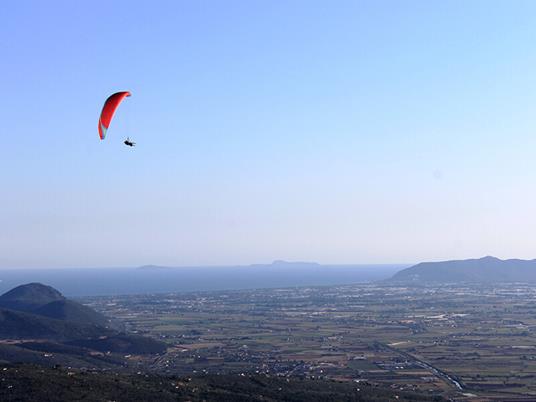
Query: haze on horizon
x=360 y=132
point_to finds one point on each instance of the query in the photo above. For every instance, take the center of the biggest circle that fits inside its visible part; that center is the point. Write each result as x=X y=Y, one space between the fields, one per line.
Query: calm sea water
x=115 y=281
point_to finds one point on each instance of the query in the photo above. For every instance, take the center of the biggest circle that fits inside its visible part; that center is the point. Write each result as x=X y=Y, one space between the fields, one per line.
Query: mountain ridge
x=487 y=269
x=29 y=297
x=39 y=312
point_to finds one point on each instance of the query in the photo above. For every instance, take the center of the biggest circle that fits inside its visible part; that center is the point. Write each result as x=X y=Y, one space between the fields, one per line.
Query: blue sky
x=340 y=132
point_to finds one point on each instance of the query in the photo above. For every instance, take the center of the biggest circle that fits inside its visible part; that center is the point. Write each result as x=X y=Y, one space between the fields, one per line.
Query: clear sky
x=328 y=131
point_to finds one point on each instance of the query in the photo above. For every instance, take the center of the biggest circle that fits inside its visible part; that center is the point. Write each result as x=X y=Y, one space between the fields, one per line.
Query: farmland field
x=465 y=342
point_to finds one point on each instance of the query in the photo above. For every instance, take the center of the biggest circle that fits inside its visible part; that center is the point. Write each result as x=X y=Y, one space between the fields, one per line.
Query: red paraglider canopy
x=108 y=111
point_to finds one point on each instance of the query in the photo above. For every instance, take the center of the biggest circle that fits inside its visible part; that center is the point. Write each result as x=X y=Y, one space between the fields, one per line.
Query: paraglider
x=108 y=111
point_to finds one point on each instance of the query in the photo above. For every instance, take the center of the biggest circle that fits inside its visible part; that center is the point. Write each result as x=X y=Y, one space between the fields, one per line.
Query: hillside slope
x=64 y=327
x=69 y=310
x=487 y=269
x=23 y=325
x=29 y=297
x=33 y=384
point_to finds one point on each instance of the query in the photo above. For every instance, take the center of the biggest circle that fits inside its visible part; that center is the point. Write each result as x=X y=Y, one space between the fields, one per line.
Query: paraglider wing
x=108 y=111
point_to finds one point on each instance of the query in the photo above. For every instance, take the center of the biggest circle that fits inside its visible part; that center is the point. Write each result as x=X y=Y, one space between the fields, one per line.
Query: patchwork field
x=465 y=342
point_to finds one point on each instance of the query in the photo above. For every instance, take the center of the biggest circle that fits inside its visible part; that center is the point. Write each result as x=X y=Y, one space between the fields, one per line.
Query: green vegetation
x=37 y=384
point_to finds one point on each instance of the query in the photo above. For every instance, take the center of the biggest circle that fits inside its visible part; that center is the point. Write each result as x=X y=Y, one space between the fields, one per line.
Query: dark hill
x=69 y=310
x=38 y=312
x=30 y=297
x=487 y=269
x=46 y=301
x=23 y=325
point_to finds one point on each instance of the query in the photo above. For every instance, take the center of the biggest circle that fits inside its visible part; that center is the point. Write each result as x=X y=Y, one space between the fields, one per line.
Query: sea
x=80 y=282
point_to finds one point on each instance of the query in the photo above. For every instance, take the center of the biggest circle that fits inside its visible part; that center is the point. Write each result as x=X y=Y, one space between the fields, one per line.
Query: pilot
x=129 y=143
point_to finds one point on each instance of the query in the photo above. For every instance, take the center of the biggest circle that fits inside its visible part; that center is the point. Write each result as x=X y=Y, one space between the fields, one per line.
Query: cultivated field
x=466 y=342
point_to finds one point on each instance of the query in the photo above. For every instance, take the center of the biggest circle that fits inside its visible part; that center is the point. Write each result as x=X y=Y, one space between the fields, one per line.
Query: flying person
x=129 y=143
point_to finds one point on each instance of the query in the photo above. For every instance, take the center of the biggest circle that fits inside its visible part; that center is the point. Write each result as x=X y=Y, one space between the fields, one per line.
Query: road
x=436 y=371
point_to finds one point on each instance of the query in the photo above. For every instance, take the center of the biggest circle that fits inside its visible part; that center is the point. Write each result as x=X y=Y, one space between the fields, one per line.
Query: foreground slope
x=487 y=270
x=31 y=383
